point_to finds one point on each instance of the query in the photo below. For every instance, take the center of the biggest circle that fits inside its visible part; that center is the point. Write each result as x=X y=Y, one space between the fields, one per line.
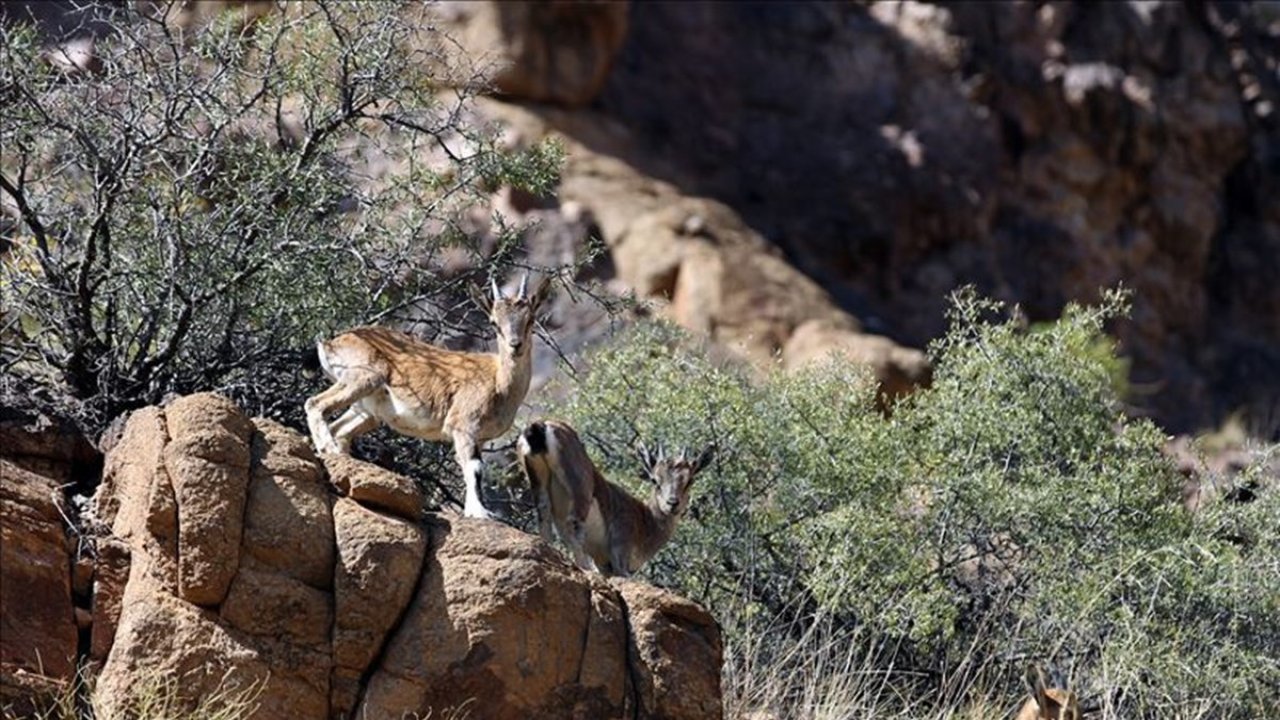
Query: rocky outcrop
x=526 y=635
x=764 y=165
x=37 y=623
x=669 y=684
x=893 y=151
x=379 y=561
x=340 y=598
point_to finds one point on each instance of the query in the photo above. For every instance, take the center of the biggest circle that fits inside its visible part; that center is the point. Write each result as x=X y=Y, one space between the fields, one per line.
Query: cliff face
x=890 y=152
x=229 y=558
x=1039 y=150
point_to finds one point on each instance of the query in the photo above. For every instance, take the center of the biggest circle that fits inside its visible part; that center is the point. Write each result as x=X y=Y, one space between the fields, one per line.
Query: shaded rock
x=39 y=458
x=82 y=577
x=672 y=643
x=544 y=51
x=896 y=151
x=44 y=446
x=26 y=694
x=37 y=623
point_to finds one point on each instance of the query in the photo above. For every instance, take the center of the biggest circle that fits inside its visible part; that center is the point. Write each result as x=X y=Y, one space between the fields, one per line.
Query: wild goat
x=417 y=389
x=1047 y=703
x=605 y=527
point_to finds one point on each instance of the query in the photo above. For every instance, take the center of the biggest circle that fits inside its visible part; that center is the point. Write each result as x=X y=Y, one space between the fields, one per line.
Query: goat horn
x=497 y=294
x=524 y=283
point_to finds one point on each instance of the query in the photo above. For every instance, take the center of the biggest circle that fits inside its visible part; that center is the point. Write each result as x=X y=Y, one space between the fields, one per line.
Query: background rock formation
x=762 y=165
x=326 y=590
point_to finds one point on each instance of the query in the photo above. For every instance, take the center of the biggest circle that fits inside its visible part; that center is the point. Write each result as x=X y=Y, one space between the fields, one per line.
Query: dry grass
x=154 y=696
x=820 y=672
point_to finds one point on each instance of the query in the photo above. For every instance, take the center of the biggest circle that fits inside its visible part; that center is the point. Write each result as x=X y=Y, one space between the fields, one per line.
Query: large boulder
x=503 y=627
x=343 y=599
x=672 y=642
x=549 y=51
x=227 y=523
x=207 y=462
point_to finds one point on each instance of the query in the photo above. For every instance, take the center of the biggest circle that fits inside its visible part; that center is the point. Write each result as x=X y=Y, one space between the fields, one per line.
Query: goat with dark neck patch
x=605 y=527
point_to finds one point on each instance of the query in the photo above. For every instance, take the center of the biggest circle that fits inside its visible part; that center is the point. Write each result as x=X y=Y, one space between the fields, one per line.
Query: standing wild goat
x=420 y=390
x=606 y=529
x=1047 y=703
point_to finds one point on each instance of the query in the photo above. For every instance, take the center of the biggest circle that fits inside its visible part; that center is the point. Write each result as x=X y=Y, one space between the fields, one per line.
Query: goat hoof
x=478 y=512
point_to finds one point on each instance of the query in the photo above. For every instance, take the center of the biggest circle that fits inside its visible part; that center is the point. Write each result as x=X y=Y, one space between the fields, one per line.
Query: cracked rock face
x=358 y=606
x=40 y=577
x=37 y=623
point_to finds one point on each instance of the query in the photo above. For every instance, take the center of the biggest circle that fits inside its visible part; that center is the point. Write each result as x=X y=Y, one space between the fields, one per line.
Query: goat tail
x=533 y=441
x=314 y=362
x=554 y=448
x=311 y=361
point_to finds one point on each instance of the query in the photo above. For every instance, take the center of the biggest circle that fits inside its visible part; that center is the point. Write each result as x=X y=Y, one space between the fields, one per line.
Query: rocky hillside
x=841 y=167
x=226 y=554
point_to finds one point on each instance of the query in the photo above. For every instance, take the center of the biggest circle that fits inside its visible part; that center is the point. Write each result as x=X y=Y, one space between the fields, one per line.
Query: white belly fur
x=403 y=417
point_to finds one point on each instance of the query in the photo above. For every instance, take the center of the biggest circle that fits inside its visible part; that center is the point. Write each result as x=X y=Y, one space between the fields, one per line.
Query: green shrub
x=1010 y=512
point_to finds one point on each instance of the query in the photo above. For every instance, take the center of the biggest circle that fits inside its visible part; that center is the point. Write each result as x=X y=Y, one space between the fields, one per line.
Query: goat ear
x=705 y=457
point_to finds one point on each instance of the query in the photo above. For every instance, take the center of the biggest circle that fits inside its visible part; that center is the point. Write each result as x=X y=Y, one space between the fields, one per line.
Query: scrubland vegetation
x=913 y=565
